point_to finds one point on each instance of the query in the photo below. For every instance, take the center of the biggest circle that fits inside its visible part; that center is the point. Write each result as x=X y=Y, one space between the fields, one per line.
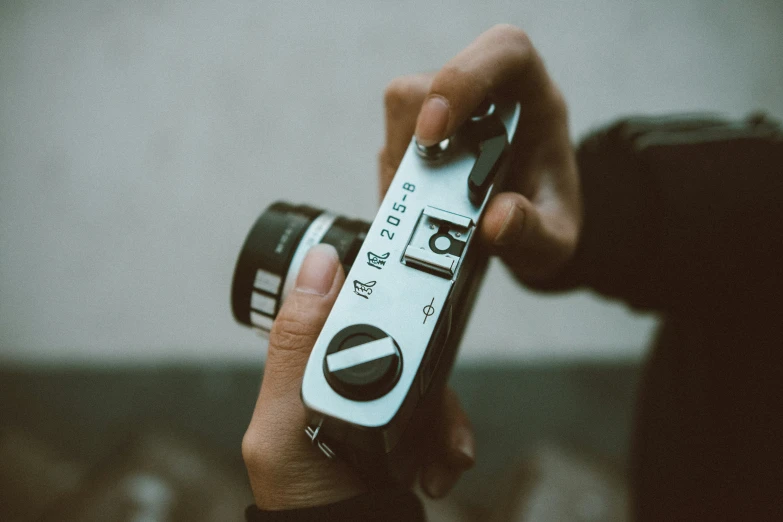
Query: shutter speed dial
x=362 y=362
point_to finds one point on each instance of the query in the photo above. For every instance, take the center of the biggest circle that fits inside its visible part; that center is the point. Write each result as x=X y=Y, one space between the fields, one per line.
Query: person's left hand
x=286 y=471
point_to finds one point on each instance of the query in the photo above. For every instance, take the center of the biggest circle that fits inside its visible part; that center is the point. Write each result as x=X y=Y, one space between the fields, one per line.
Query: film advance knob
x=362 y=362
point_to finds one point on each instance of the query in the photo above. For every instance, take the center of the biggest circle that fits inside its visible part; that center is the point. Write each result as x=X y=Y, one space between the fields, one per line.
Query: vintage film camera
x=412 y=276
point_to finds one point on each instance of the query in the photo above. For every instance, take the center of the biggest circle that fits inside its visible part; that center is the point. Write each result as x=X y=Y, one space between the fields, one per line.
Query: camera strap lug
x=312 y=434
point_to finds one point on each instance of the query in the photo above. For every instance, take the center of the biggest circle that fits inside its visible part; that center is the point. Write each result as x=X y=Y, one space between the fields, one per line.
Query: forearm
x=680 y=213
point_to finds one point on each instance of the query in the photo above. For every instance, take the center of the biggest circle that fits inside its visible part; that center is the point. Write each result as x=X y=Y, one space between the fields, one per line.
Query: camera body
x=372 y=384
x=394 y=329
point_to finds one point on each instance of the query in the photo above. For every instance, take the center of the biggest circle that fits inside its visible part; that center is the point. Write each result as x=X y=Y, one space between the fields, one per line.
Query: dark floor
x=84 y=413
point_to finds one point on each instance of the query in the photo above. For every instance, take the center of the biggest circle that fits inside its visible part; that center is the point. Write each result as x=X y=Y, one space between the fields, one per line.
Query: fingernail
x=438 y=481
x=318 y=270
x=511 y=226
x=433 y=120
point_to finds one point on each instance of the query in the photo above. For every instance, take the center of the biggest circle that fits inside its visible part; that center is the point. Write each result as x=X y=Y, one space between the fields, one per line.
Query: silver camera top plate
x=399 y=287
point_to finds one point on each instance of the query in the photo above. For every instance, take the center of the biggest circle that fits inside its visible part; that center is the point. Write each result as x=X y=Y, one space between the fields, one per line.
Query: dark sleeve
x=680 y=212
x=392 y=505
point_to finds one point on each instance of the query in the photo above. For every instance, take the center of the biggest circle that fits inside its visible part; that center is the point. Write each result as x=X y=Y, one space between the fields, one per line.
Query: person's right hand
x=535 y=225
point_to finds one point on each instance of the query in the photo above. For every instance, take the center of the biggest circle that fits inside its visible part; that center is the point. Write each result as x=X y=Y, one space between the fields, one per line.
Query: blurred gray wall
x=139 y=141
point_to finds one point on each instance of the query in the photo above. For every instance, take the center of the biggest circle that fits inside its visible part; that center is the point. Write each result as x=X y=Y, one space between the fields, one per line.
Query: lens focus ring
x=273 y=253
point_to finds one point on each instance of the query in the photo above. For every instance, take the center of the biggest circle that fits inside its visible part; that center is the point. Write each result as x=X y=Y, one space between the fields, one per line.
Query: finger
x=439 y=478
x=499 y=60
x=277 y=453
x=456 y=452
x=300 y=320
x=402 y=101
x=460 y=443
x=534 y=239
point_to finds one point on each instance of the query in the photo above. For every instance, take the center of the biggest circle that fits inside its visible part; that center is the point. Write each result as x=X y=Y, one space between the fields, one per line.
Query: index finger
x=402 y=99
x=500 y=60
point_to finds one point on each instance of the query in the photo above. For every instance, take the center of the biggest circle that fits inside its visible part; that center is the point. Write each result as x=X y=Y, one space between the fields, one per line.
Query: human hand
x=534 y=226
x=286 y=471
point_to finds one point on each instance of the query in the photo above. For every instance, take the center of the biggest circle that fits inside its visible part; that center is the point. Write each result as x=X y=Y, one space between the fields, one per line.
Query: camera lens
x=273 y=253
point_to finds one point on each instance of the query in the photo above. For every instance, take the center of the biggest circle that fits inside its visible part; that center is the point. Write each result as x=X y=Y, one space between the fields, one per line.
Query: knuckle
x=290 y=334
x=254 y=448
x=516 y=44
x=513 y=35
x=399 y=93
x=257 y=452
x=454 y=78
x=559 y=105
x=448 y=75
x=249 y=447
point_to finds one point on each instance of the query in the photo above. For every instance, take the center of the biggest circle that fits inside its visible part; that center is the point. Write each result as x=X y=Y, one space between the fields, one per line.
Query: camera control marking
x=428 y=311
x=394 y=217
x=363 y=289
x=376 y=261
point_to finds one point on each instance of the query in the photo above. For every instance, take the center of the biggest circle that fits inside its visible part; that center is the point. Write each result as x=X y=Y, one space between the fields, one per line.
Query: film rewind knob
x=362 y=362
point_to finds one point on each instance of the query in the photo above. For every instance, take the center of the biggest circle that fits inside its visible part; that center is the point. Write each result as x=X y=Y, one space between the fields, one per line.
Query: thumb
x=301 y=318
x=535 y=240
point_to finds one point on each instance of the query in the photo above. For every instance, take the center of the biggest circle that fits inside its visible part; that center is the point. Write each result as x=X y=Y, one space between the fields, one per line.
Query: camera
x=369 y=387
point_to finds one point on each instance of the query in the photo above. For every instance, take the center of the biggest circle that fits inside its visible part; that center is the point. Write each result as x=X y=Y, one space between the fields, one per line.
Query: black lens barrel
x=265 y=259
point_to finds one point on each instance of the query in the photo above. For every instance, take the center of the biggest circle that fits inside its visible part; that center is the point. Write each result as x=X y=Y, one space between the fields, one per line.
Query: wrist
x=296 y=475
x=297 y=489
x=390 y=504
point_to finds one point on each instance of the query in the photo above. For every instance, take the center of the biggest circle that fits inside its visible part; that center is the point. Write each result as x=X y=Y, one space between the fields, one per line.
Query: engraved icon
x=428 y=310
x=376 y=261
x=363 y=289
